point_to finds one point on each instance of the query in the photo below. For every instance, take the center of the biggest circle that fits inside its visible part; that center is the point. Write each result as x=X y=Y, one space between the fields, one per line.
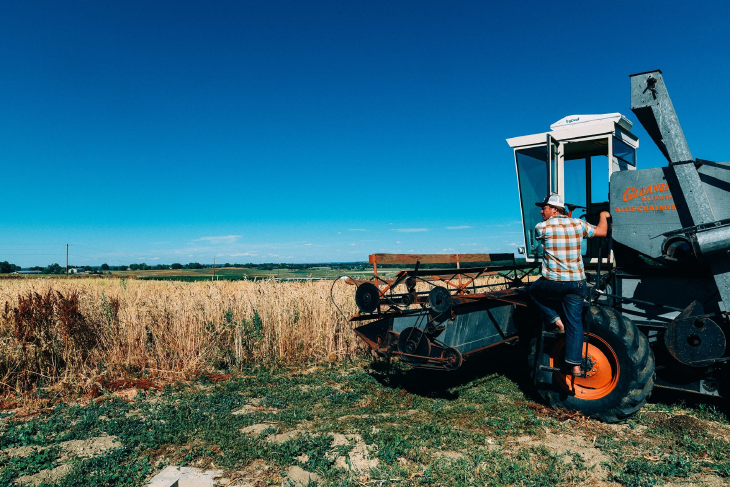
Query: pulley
x=367 y=297
x=439 y=299
x=453 y=359
x=415 y=343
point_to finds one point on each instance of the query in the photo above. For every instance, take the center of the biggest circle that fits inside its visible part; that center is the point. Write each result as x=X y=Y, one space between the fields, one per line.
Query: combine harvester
x=657 y=313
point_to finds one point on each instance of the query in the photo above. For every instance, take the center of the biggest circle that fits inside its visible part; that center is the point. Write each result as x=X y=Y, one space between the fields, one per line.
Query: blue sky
x=295 y=131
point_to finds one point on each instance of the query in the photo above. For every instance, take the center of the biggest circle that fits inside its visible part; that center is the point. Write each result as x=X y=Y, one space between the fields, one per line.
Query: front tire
x=620 y=380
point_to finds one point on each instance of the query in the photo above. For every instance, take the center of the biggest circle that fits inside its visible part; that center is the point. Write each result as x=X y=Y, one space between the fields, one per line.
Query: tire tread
x=641 y=370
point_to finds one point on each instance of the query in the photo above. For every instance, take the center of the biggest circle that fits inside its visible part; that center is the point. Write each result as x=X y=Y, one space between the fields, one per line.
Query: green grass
x=408 y=417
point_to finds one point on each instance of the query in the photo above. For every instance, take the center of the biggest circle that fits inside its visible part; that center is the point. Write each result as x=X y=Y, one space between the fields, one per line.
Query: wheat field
x=70 y=335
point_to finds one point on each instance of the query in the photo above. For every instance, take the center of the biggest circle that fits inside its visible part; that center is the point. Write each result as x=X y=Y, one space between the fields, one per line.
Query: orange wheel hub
x=600 y=379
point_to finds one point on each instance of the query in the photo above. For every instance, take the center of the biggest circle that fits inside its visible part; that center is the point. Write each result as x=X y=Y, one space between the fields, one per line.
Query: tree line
x=55 y=268
x=6 y=267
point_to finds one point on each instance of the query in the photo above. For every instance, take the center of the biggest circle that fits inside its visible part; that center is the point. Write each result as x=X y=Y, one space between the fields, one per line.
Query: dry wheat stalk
x=182 y=329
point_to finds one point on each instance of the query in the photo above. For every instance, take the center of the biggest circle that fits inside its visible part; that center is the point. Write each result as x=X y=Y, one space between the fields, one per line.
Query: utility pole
x=213 y=269
x=67 y=246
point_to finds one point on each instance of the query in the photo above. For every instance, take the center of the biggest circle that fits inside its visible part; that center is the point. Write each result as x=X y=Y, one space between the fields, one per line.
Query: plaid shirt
x=561 y=241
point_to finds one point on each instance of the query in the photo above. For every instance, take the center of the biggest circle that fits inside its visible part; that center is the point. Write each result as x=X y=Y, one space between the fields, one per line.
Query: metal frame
x=463 y=291
x=462 y=296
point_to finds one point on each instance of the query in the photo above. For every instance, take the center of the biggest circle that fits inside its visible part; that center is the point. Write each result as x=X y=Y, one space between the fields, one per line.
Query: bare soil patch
x=69 y=449
x=255 y=406
x=256 y=429
x=570 y=444
x=359 y=459
x=45 y=476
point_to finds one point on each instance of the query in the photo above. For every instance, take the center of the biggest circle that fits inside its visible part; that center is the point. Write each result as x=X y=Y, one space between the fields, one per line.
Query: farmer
x=563 y=276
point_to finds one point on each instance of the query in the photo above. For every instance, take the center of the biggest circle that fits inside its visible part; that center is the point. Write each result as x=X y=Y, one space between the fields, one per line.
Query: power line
x=13 y=253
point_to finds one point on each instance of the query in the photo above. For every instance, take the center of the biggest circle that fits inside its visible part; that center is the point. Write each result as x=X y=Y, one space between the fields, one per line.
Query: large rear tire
x=620 y=380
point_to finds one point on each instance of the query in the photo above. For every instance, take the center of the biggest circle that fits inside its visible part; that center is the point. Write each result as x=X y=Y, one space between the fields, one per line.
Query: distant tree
x=161 y=267
x=54 y=269
x=6 y=267
x=226 y=265
x=105 y=267
x=176 y=266
x=36 y=268
x=195 y=265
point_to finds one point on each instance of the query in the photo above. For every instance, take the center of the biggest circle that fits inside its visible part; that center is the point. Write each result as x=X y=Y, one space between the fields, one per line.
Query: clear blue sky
x=315 y=131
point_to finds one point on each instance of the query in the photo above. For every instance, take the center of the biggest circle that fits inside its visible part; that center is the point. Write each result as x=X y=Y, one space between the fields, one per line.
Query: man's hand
x=602 y=227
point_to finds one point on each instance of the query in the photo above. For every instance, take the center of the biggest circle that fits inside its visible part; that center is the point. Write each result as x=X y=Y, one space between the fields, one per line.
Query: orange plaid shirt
x=561 y=239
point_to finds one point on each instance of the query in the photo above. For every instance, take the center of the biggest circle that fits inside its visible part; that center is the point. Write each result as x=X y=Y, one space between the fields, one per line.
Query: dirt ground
x=345 y=425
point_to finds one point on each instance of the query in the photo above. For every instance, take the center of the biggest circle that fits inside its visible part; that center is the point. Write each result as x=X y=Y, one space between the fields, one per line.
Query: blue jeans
x=572 y=294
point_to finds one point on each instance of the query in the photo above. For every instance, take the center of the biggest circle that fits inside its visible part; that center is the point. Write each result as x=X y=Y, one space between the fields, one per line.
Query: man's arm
x=602 y=227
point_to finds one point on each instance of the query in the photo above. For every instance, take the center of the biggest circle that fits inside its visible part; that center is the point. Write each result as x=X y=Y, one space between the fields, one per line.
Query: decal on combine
x=647 y=193
x=645 y=208
x=633 y=193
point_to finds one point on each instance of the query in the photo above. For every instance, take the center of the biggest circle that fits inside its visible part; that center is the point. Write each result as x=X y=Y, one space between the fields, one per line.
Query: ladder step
x=549 y=369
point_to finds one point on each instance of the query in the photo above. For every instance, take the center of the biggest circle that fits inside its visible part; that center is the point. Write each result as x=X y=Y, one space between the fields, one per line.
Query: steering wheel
x=571 y=208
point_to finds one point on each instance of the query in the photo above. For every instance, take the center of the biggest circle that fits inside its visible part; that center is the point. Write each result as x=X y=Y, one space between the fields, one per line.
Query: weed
x=43 y=459
x=391 y=444
x=53 y=338
x=640 y=471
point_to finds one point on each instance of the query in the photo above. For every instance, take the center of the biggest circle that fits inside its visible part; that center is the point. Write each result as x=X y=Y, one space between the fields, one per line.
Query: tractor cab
x=575 y=160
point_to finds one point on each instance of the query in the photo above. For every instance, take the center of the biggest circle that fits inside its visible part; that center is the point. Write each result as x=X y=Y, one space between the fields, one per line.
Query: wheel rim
x=600 y=380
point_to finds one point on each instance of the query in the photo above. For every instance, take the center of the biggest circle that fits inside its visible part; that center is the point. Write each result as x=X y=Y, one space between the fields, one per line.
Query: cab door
x=539 y=173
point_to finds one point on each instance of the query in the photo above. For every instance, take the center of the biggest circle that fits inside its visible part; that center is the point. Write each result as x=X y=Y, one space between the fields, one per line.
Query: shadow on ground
x=508 y=360
x=672 y=398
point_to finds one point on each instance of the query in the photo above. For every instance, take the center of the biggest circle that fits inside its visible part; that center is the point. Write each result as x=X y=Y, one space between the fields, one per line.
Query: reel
x=367 y=297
